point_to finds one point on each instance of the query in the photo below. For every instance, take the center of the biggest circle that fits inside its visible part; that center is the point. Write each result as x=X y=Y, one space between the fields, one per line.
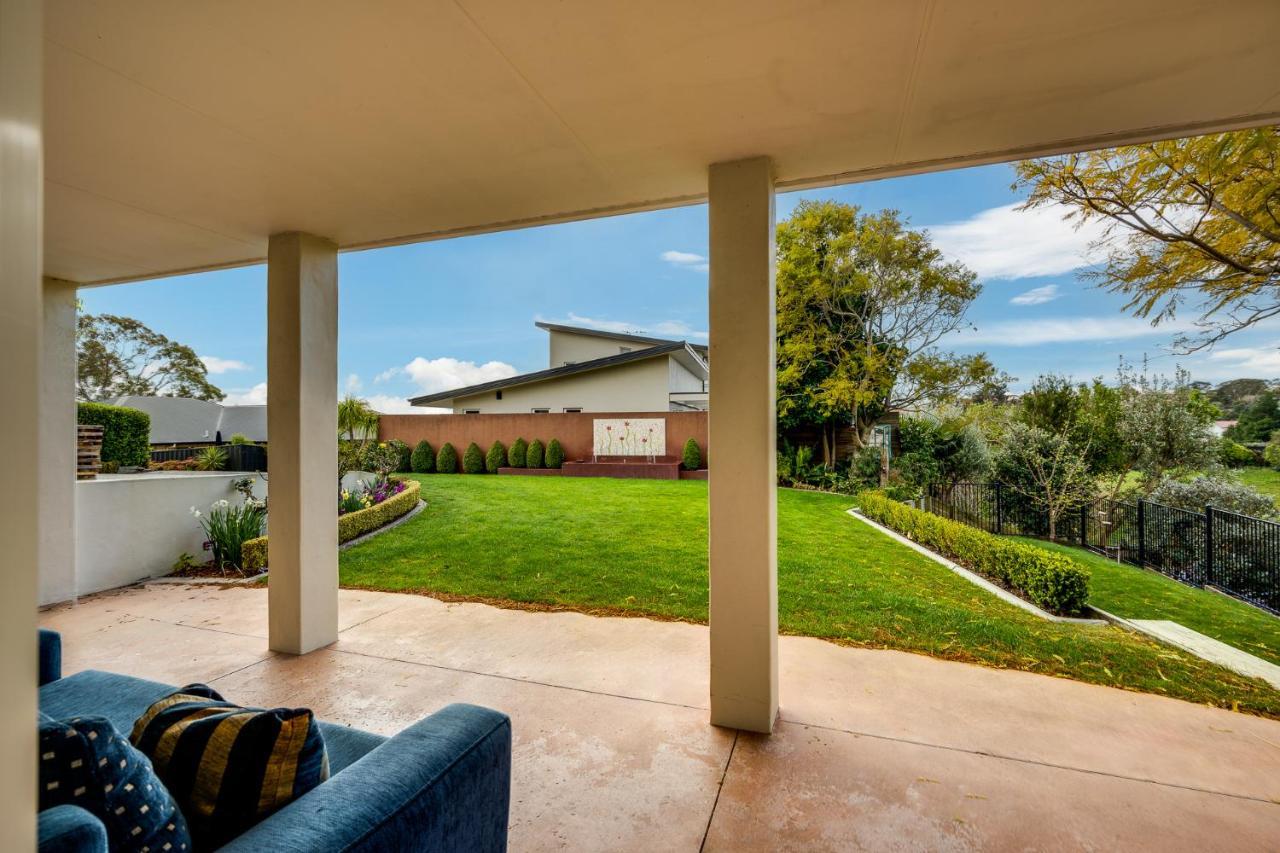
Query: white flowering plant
x=228 y=526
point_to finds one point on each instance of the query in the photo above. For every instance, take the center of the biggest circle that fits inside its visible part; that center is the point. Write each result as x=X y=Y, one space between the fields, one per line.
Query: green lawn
x=639 y=547
x=1265 y=480
x=1140 y=594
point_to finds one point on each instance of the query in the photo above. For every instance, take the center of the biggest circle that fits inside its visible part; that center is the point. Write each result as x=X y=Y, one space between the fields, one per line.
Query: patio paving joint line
x=519 y=680
x=240 y=669
x=1037 y=763
x=719 y=788
x=370 y=619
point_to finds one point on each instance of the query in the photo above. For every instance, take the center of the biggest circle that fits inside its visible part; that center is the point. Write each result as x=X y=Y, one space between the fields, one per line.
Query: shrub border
x=253 y=553
x=1033 y=579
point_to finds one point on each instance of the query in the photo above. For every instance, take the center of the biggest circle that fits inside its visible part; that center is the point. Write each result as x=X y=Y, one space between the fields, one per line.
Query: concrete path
x=875 y=750
x=1214 y=651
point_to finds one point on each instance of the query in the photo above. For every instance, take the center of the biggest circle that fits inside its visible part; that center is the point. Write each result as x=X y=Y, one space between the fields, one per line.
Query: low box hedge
x=253 y=553
x=1053 y=582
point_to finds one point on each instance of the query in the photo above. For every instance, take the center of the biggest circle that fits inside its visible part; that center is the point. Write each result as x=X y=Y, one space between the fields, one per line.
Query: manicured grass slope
x=1139 y=594
x=640 y=547
x=1265 y=480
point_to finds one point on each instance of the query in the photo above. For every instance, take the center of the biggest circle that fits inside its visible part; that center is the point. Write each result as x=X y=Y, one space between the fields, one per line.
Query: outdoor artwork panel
x=629 y=437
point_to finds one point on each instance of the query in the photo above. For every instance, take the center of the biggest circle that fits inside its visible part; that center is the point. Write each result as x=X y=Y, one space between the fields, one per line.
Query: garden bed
x=350 y=525
x=1050 y=581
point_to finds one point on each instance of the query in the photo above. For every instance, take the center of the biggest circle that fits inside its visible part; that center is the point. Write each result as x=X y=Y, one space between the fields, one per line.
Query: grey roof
x=665 y=348
x=700 y=349
x=180 y=420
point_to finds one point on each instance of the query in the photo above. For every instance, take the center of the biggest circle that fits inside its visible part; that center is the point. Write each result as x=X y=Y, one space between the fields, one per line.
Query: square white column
x=302 y=441
x=21 y=187
x=742 y=427
x=58 y=443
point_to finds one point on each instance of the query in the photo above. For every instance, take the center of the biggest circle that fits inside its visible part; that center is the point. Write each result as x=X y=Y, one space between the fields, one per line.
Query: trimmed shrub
x=404 y=454
x=1051 y=581
x=517 y=456
x=253 y=553
x=533 y=456
x=362 y=521
x=239 y=438
x=496 y=458
x=423 y=458
x=126 y=433
x=1235 y=455
x=692 y=456
x=555 y=454
x=473 y=459
x=447 y=459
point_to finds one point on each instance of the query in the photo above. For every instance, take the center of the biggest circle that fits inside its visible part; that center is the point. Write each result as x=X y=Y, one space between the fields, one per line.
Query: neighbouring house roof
x=180 y=420
x=700 y=349
x=690 y=360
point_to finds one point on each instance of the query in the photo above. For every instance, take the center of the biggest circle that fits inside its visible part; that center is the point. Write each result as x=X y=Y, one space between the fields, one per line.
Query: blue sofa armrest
x=50 y=656
x=71 y=829
x=443 y=784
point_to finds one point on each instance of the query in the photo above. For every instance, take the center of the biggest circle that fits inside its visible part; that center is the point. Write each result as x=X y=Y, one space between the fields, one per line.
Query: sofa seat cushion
x=85 y=762
x=123 y=698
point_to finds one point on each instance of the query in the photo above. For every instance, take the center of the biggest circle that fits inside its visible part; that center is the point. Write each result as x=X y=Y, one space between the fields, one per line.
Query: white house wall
x=568 y=348
x=639 y=386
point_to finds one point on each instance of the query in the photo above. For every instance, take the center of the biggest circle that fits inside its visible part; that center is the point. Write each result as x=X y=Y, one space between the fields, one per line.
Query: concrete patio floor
x=875 y=750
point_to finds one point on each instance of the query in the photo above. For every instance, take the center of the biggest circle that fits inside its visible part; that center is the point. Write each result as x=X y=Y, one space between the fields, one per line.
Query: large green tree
x=863 y=302
x=1192 y=223
x=116 y=356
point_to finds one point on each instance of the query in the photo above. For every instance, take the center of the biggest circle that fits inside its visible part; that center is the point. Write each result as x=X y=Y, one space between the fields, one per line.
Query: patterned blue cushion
x=229 y=767
x=85 y=762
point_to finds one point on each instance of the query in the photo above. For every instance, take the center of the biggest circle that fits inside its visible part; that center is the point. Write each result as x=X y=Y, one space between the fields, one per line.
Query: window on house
x=499 y=395
x=470 y=411
x=542 y=411
x=574 y=409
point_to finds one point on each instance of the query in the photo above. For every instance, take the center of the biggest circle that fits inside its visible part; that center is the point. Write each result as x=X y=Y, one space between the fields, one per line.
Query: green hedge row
x=1051 y=581
x=253 y=553
x=126 y=433
x=424 y=460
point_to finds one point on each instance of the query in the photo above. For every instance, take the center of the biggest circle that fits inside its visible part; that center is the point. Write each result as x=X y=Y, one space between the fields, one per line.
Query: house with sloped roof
x=181 y=420
x=590 y=370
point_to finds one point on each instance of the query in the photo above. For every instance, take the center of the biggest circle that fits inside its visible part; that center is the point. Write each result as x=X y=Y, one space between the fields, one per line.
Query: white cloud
x=216 y=365
x=386 y=375
x=686 y=260
x=1029 y=333
x=664 y=329
x=1006 y=243
x=255 y=396
x=1036 y=295
x=445 y=374
x=353 y=384
x=1251 y=361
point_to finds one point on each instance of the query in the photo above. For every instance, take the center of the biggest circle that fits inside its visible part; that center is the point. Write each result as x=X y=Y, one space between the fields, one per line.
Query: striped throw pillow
x=229 y=767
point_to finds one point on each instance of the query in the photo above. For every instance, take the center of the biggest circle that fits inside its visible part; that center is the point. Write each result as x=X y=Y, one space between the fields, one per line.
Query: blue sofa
x=444 y=783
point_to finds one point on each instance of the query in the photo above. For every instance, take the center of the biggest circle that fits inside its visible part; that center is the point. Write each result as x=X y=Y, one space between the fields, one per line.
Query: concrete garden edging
x=974 y=578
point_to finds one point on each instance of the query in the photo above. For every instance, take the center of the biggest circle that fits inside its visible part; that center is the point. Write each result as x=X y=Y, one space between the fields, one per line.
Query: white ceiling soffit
x=180 y=135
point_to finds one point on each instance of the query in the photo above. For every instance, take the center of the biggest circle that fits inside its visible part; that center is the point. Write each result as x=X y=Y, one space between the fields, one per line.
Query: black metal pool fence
x=1237 y=554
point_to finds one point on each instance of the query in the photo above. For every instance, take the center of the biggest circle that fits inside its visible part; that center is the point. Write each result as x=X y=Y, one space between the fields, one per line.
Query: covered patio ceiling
x=179 y=136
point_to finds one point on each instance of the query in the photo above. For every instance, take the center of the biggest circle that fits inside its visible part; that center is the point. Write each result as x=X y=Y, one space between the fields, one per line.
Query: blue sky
x=438 y=315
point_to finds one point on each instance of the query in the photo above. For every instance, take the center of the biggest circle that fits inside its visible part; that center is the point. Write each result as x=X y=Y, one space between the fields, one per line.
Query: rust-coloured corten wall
x=573 y=429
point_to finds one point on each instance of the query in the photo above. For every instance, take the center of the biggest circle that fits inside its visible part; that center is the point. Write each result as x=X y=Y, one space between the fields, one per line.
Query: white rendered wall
x=58 y=443
x=130 y=527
